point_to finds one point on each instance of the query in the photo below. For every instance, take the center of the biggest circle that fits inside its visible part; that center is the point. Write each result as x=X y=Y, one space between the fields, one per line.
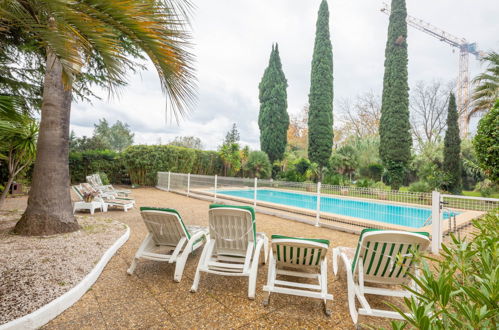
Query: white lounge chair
x=381 y=257
x=169 y=239
x=234 y=247
x=298 y=257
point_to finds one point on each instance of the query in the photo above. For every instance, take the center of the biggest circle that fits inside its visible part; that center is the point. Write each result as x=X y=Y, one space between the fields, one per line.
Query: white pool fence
x=439 y=208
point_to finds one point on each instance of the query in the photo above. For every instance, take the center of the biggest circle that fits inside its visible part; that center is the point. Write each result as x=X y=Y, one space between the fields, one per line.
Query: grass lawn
x=477 y=194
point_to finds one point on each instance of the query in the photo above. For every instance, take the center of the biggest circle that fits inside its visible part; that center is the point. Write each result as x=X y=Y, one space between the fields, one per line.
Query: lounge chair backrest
x=78 y=190
x=91 y=180
x=299 y=252
x=98 y=179
x=87 y=187
x=379 y=251
x=164 y=224
x=232 y=227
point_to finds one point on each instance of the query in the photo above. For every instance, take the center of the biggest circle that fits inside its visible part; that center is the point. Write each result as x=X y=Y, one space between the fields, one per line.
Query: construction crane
x=463 y=78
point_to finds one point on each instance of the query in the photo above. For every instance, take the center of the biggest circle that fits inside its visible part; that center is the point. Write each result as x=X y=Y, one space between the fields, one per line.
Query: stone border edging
x=49 y=311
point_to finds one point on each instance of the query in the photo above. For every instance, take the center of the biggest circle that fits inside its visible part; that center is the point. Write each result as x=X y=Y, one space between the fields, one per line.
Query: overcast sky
x=232 y=43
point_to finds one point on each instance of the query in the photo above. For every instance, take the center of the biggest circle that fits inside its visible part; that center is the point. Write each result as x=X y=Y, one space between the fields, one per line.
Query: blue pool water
x=408 y=216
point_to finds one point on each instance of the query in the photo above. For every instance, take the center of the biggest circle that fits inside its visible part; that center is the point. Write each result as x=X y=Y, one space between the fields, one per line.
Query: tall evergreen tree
x=320 y=115
x=452 y=149
x=394 y=128
x=273 y=119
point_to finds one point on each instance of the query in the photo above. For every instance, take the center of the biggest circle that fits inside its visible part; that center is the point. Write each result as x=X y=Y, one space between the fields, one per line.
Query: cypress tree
x=394 y=128
x=452 y=149
x=273 y=118
x=320 y=99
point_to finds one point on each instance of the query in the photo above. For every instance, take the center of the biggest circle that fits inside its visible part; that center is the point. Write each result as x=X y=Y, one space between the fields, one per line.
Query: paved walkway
x=150 y=299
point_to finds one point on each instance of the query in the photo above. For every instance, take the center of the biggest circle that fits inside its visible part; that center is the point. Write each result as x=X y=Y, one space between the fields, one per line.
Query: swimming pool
x=402 y=215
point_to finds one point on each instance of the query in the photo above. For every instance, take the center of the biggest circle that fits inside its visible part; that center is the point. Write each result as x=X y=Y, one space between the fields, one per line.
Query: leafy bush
x=364 y=183
x=258 y=165
x=380 y=186
x=89 y=162
x=486 y=188
x=143 y=162
x=461 y=289
x=486 y=143
x=420 y=186
x=334 y=179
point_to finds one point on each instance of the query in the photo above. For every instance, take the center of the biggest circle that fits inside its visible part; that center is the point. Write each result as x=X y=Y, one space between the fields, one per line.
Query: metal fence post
x=254 y=192
x=188 y=183
x=168 y=189
x=436 y=223
x=318 y=215
x=215 y=196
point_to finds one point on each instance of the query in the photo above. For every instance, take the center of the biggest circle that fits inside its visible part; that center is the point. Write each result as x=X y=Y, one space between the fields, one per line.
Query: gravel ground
x=35 y=271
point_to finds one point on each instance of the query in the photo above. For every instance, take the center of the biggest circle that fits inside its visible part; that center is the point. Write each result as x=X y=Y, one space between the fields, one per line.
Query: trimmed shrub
x=364 y=183
x=419 y=186
x=89 y=162
x=143 y=162
x=486 y=188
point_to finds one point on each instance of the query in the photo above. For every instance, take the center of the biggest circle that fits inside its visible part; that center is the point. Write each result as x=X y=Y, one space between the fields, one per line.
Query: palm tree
x=89 y=42
x=487 y=89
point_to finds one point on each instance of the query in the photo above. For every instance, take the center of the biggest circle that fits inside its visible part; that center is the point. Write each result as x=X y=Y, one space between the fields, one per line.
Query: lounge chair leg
x=266 y=300
x=132 y=266
x=327 y=311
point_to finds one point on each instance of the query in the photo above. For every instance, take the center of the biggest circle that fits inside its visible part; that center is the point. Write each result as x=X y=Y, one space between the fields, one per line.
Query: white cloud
x=232 y=45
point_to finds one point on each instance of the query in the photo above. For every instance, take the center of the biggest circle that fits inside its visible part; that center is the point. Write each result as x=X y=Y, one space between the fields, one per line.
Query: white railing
x=352 y=206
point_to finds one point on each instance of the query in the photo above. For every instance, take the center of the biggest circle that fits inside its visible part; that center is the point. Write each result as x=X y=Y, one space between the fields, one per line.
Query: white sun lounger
x=169 y=239
x=234 y=247
x=302 y=258
x=381 y=257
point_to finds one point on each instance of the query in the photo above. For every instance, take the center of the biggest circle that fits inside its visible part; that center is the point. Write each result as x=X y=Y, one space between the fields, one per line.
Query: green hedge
x=85 y=163
x=143 y=162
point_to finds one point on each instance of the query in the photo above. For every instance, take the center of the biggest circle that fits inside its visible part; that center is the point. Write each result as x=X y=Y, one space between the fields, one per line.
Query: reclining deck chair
x=96 y=182
x=234 y=247
x=169 y=239
x=381 y=257
x=298 y=257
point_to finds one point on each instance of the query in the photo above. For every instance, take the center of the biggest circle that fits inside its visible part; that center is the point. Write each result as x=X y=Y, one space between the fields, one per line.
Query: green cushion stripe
x=318 y=257
x=388 y=261
x=373 y=256
x=163 y=209
x=404 y=260
x=366 y=253
x=381 y=258
x=278 y=253
x=312 y=253
x=395 y=263
x=317 y=240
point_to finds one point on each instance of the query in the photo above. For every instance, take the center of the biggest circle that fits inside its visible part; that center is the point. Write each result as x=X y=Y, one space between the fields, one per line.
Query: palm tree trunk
x=49 y=208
